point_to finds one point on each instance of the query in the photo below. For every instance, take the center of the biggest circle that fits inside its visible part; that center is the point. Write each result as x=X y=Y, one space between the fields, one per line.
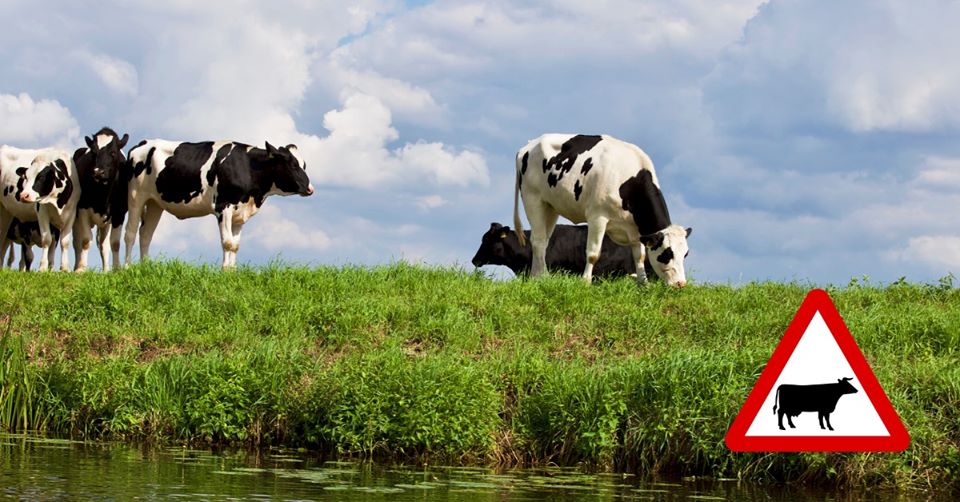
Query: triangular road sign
x=817 y=393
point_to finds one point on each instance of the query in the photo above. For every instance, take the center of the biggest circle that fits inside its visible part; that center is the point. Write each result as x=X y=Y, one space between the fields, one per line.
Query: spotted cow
x=228 y=179
x=103 y=196
x=608 y=183
x=27 y=235
x=565 y=253
x=42 y=186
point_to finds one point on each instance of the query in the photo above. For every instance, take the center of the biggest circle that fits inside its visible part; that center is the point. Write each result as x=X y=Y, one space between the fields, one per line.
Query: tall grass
x=442 y=365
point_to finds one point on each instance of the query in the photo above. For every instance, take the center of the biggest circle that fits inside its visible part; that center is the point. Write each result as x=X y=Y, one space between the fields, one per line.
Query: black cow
x=565 y=253
x=228 y=179
x=821 y=398
x=103 y=196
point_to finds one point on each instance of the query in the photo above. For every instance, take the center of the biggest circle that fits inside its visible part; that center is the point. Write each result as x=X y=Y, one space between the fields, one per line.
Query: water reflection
x=33 y=468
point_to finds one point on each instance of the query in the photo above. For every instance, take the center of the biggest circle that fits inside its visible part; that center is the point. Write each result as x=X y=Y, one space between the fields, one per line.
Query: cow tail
x=775 y=399
x=517 y=224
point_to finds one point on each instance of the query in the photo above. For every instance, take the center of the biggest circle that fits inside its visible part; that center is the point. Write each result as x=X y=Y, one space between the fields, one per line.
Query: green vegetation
x=428 y=364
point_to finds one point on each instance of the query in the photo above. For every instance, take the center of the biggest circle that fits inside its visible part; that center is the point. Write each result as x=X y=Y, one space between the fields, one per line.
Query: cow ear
x=271 y=150
x=123 y=141
x=291 y=146
x=495 y=226
x=89 y=141
x=21 y=171
x=689 y=231
x=652 y=241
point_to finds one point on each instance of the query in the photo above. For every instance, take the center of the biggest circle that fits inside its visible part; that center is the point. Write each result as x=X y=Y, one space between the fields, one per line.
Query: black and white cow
x=103 y=196
x=821 y=398
x=27 y=235
x=228 y=179
x=608 y=183
x=565 y=253
x=41 y=186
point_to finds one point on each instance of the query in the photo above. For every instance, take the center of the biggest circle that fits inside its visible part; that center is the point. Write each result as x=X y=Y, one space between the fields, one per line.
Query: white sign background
x=818 y=359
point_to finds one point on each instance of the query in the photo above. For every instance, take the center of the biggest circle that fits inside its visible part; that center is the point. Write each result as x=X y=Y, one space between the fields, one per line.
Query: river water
x=33 y=468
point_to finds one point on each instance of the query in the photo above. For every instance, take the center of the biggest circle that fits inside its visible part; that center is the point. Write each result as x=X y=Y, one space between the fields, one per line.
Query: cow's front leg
x=827 y=417
x=116 y=233
x=81 y=240
x=9 y=246
x=130 y=234
x=66 y=235
x=151 y=218
x=6 y=219
x=225 y=221
x=790 y=421
x=596 y=229
x=46 y=239
x=639 y=257
x=237 y=229
x=103 y=231
x=26 y=256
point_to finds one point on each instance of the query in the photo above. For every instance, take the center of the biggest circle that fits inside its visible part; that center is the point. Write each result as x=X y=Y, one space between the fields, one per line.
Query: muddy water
x=33 y=468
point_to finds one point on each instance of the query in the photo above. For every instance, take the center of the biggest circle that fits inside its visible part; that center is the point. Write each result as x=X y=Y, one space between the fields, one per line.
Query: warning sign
x=817 y=393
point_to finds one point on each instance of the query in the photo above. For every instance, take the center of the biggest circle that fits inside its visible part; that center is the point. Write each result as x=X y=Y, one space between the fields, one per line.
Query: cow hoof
x=782 y=428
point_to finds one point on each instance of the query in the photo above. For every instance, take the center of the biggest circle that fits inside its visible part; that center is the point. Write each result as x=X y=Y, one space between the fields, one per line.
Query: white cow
x=42 y=186
x=608 y=183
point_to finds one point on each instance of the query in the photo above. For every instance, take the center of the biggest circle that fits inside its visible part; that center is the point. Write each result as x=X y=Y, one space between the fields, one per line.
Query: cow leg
x=151 y=218
x=780 y=419
x=116 y=233
x=66 y=235
x=225 y=222
x=543 y=219
x=827 y=417
x=237 y=229
x=46 y=239
x=81 y=240
x=639 y=257
x=26 y=256
x=102 y=233
x=596 y=229
x=130 y=234
x=6 y=219
x=8 y=247
x=790 y=421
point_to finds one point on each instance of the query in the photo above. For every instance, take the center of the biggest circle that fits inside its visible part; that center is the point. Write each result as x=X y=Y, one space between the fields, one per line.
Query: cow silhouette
x=821 y=398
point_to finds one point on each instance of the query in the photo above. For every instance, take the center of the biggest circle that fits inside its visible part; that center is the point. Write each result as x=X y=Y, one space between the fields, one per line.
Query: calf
x=608 y=183
x=821 y=398
x=41 y=186
x=500 y=246
x=103 y=196
x=228 y=179
x=27 y=234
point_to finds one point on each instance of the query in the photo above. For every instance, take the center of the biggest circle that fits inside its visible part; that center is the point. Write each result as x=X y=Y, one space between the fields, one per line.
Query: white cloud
x=275 y=232
x=355 y=153
x=117 y=74
x=939 y=252
x=28 y=123
x=428 y=202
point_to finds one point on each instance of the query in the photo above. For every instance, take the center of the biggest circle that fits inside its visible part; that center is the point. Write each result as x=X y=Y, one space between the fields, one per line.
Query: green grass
x=439 y=365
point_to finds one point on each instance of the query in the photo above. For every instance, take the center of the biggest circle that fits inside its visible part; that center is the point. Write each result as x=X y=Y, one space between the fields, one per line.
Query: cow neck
x=643 y=198
x=262 y=169
x=523 y=255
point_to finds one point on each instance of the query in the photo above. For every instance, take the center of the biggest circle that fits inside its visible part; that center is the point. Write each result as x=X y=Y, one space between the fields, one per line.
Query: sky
x=802 y=141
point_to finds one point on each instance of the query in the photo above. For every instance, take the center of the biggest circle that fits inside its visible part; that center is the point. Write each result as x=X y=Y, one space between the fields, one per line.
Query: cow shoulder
x=180 y=180
x=642 y=198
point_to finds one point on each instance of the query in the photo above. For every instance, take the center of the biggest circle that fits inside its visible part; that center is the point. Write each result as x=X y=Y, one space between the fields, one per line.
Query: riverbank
x=439 y=365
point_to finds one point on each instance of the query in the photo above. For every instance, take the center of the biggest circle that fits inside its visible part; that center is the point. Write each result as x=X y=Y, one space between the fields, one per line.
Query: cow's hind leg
x=81 y=240
x=26 y=256
x=596 y=229
x=130 y=234
x=790 y=421
x=780 y=419
x=543 y=219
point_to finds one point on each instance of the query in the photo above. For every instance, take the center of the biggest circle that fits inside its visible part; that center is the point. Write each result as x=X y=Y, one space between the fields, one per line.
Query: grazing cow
x=500 y=246
x=608 y=183
x=821 y=398
x=228 y=179
x=41 y=186
x=103 y=196
x=27 y=234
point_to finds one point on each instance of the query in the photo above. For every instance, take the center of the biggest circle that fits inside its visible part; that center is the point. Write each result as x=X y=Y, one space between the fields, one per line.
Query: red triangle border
x=817 y=301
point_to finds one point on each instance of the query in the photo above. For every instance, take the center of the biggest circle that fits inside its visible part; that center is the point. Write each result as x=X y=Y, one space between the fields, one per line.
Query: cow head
x=290 y=172
x=107 y=150
x=500 y=246
x=46 y=181
x=845 y=387
x=666 y=251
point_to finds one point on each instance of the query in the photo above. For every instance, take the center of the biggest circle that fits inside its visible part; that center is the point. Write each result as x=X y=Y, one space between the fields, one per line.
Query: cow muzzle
x=26 y=197
x=309 y=190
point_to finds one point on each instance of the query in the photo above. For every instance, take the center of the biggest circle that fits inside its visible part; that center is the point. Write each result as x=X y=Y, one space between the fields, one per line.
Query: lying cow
x=565 y=253
x=27 y=235
x=608 y=183
x=228 y=179
x=41 y=186
x=103 y=196
x=821 y=398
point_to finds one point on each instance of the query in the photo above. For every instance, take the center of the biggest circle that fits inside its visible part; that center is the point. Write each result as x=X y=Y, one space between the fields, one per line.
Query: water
x=33 y=468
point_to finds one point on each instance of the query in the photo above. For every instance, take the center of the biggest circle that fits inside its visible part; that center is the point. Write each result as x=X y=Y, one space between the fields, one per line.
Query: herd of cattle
x=50 y=195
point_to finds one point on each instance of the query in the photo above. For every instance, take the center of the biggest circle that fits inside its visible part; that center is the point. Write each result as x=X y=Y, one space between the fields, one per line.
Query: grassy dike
x=440 y=365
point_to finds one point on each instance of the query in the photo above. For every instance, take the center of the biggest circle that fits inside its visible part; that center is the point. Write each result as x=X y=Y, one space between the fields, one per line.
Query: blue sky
x=801 y=141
